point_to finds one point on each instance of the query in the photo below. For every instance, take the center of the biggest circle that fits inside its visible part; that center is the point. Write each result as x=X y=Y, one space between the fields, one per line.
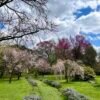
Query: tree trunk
x=19 y=75
x=3 y=70
x=66 y=74
x=2 y=73
x=10 y=79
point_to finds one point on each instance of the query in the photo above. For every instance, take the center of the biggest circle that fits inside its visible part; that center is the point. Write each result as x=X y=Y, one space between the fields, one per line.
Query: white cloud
x=61 y=12
x=87 y=3
x=90 y=22
x=97 y=48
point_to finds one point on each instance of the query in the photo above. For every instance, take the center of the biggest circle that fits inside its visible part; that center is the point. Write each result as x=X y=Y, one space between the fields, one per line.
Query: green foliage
x=89 y=58
x=89 y=73
x=97 y=68
x=52 y=58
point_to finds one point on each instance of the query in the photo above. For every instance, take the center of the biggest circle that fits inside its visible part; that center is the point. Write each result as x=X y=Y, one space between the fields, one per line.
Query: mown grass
x=48 y=93
x=89 y=89
x=85 y=88
x=18 y=89
x=14 y=91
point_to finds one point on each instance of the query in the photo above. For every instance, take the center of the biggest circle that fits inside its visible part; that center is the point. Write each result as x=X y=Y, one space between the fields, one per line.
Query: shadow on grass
x=96 y=84
x=65 y=82
x=71 y=82
x=7 y=80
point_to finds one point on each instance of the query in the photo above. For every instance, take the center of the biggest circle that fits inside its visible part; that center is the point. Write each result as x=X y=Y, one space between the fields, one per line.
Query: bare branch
x=20 y=22
x=4 y=2
x=19 y=36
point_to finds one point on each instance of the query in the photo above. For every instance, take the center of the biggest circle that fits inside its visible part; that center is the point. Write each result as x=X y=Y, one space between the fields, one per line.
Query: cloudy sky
x=75 y=17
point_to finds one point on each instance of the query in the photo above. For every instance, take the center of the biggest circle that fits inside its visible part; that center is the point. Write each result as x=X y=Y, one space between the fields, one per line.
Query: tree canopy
x=22 y=18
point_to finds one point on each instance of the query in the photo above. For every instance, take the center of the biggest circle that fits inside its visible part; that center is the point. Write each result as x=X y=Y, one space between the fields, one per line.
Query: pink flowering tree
x=62 y=48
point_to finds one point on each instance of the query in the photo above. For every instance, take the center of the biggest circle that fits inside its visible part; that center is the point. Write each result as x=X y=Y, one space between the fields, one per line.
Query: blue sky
x=1 y=25
x=83 y=11
x=94 y=38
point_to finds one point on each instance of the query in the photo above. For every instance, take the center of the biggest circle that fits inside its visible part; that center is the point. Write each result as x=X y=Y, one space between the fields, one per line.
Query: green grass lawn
x=18 y=89
x=88 y=89
x=14 y=91
x=85 y=88
x=48 y=93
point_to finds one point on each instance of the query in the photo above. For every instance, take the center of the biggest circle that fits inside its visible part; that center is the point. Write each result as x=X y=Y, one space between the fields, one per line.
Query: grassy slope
x=86 y=88
x=18 y=89
x=90 y=90
x=47 y=92
x=14 y=91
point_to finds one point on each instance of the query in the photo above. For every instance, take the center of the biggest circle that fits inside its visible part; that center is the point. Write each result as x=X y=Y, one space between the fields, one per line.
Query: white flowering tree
x=17 y=61
x=59 y=68
x=72 y=69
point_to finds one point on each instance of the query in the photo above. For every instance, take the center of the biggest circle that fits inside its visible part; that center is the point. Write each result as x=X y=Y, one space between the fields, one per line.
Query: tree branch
x=18 y=36
x=4 y=2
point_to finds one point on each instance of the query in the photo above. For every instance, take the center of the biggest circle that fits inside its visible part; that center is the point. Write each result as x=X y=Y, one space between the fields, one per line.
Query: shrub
x=48 y=82
x=89 y=74
x=56 y=84
x=71 y=94
x=32 y=97
x=32 y=82
x=53 y=83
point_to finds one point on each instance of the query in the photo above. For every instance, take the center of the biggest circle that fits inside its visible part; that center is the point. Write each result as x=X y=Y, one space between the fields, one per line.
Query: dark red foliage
x=63 y=44
x=62 y=48
x=66 y=48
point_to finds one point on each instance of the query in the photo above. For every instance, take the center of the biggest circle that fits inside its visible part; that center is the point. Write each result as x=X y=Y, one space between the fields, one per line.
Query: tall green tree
x=89 y=58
